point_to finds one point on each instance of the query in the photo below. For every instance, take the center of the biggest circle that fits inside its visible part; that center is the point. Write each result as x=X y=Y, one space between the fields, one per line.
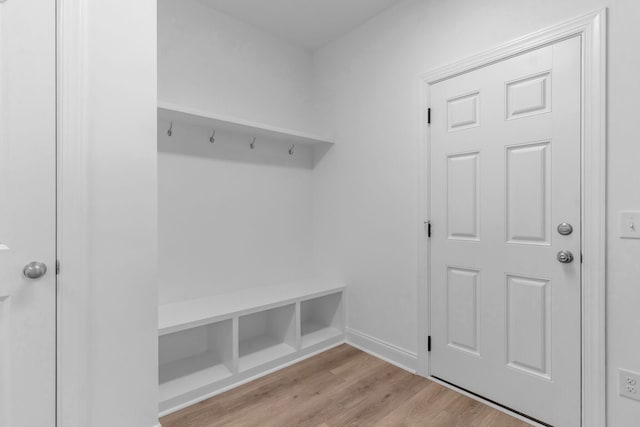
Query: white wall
x=367 y=90
x=230 y=217
x=121 y=154
x=212 y=62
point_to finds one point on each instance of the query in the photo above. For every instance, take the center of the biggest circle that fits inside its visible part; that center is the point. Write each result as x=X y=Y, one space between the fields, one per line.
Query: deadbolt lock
x=565 y=228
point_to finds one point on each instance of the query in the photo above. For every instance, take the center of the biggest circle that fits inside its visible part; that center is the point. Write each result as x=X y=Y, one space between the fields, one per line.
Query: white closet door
x=27 y=212
x=505 y=166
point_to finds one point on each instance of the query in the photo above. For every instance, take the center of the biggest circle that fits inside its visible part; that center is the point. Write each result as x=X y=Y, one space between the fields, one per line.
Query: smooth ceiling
x=308 y=23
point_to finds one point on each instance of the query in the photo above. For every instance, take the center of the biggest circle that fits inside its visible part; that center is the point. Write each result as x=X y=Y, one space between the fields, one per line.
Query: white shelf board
x=192 y=313
x=314 y=333
x=260 y=350
x=189 y=374
x=210 y=120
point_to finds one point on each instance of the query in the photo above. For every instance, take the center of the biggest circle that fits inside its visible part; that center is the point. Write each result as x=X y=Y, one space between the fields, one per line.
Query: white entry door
x=27 y=212
x=505 y=174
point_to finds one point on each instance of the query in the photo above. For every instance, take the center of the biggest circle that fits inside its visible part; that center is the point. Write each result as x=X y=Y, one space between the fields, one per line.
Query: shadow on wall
x=189 y=140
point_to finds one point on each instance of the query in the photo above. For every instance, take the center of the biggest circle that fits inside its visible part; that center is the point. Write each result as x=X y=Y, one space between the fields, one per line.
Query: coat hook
x=170 y=131
x=212 y=138
x=253 y=143
x=291 y=149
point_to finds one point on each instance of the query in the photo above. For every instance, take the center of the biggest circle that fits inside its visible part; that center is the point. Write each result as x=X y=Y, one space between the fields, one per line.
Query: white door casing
x=27 y=212
x=591 y=30
x=505 y=170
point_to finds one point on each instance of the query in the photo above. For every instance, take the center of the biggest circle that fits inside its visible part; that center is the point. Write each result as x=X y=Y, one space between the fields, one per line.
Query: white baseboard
x=388 y=352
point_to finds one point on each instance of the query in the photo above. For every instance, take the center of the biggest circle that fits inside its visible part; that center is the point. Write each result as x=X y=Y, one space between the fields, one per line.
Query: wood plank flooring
x=341 y=387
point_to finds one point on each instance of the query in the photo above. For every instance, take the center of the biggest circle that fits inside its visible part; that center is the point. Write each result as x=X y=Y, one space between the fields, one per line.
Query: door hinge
x=428 y=116
x=429 y=343
x=57 y=266
x=428 y=224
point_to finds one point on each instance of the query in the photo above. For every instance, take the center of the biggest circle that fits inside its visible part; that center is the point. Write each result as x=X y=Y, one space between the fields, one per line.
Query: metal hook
x=212 y=138
x=170 y=131
x=253 y=143
x=291 y=149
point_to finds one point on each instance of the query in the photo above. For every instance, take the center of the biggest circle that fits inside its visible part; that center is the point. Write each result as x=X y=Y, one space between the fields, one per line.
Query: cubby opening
x=321 y=319
x=266 y=335
x=194 y=358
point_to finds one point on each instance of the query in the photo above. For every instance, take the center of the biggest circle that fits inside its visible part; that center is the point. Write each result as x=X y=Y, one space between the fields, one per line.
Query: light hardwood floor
x=341 y=387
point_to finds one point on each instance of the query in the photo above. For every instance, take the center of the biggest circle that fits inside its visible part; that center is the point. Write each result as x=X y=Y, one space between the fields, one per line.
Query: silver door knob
x=34 y=270
x=565 y=257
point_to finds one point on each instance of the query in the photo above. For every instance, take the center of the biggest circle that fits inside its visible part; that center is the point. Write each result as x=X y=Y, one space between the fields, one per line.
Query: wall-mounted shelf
x=190 y=116
x=210 y=344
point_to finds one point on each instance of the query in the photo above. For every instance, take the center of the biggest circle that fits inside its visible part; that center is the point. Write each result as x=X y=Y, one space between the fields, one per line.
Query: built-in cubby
x=321 y=318
x=195 y=357
x=223 y=324
x=266 y=335
x=240 y=147
x=210 y=344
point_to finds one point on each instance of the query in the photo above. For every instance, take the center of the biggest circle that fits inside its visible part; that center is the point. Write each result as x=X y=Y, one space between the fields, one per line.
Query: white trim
x=592 y=30
x=388 y=352
x=73 y=231
x=594 y=223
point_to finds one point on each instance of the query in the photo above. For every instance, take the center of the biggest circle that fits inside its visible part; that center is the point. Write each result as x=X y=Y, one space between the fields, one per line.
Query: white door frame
x=592 y=30
x=73 y=317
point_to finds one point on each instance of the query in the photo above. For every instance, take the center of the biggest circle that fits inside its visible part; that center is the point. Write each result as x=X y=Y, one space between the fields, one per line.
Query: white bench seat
x=211 y=344
x=197 y=312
